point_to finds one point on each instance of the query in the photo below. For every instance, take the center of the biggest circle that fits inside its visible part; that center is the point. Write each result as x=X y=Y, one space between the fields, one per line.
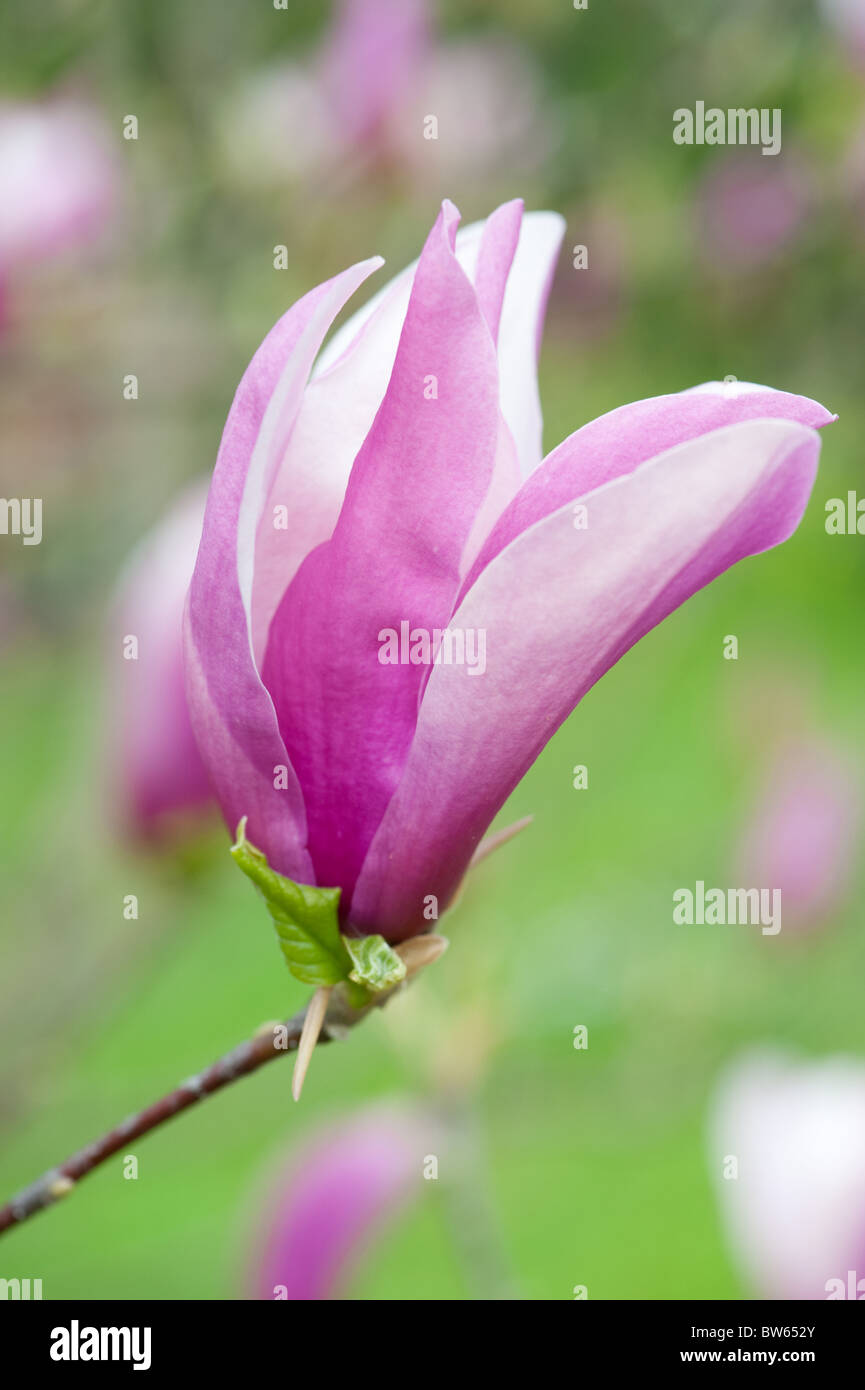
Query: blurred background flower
x=371 y=64
x=750 y=209
x=804 y=832
x=794 y=1204
x=360 y=107
x=587 y=300
x=337 y=1194
x=493 y=125
x=311 y=1228
x=158 y=783
x=58 y=181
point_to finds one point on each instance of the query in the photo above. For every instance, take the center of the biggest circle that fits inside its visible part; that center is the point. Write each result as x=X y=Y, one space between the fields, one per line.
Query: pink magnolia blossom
x=158 y=771
x=410 y=470
x=803 y=834
x=795 y=1211
x=337 y=1195
x=57 y=180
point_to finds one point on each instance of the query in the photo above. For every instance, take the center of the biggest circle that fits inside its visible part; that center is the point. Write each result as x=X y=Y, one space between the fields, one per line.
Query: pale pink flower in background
x=58 y=180
x=362 y=99
x=274 y=128
x=372 y=62
x=349 y=102
x=487 y=98
x=339 y=1192
x=409 y=468
x=795 y=1211
x=747 y=213
x=803 y=833
x=847 y=18
x=157 y=775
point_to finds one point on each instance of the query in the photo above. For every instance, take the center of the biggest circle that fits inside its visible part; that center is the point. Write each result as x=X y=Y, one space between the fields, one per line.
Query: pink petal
x=495 y=259
x=521 y=320
x=395 y=555
x=520 y=323
x=231 y=711
x=340 y=404
x=559 y=607
x=498 y=247
x=618 y=442
x=334 y=417
x=520 y=330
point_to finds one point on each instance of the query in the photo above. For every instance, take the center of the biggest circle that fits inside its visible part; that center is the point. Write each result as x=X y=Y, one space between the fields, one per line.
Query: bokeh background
x=703 y=263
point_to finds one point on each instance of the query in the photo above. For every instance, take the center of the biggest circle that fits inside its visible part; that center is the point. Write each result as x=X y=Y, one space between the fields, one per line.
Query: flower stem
x=269 y=1042
x=333 y=1017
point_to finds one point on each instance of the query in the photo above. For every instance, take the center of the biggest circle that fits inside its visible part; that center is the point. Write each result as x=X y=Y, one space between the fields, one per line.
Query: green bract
x=376 y=965
x=307 y=924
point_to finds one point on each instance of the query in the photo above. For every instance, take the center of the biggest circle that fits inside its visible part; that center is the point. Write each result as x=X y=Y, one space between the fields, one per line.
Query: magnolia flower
x=157 y=768
x=369 y=522
x=57 y=180
x=803 y=833
x=788 y=1149
x=337 y=1195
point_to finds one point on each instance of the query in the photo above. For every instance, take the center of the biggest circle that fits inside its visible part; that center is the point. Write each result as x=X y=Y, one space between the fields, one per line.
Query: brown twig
x=270 y=1041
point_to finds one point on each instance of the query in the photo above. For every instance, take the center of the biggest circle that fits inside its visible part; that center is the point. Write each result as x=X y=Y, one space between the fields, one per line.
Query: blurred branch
x=469 y=1208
